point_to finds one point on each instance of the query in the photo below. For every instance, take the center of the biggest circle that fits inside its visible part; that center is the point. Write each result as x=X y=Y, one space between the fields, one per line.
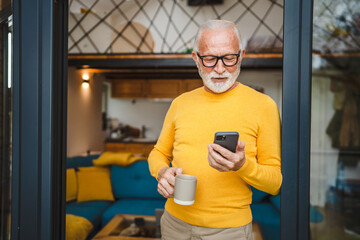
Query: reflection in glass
x=6 y=126
x=335 y=121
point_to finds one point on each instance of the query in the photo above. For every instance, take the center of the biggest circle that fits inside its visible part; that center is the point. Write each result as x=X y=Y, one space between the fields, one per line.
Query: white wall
x=270 y=80
x=84 y=115
x=140 y=112
x=162 y=28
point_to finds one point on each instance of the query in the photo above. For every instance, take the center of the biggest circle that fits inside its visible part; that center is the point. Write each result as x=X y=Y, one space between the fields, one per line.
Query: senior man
x=223 y=196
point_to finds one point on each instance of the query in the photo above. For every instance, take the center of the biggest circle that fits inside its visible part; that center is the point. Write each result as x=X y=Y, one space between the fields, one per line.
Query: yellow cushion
x=96 y=169
x=77 y=228
x=71 y=185
x=94 y=184
x=116 y=158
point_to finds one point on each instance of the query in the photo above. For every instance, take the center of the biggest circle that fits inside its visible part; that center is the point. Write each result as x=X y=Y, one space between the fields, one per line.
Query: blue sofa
x=135 y=192
x=134 y=189
x=266 y=212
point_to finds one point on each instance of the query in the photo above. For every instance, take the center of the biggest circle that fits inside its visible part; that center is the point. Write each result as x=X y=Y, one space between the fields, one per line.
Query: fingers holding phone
x=216 y=160
x=227 y=153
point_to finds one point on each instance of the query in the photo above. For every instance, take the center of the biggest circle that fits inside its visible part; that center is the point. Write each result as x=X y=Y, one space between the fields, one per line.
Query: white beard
x=219 y=87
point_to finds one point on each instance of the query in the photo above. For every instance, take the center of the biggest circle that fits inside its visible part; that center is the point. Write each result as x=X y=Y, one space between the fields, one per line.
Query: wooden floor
x=332 y=227
x=256 y=231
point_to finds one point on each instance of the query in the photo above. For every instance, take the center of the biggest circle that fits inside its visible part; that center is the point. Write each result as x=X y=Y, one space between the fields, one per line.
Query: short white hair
x=217 y=24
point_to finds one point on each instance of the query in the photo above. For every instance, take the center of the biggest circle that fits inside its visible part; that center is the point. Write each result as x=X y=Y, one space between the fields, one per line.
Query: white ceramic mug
x=185 y=189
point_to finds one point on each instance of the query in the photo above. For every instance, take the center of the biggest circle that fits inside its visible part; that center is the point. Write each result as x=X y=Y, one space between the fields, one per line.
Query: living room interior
x=127 y=61
x=85 y=86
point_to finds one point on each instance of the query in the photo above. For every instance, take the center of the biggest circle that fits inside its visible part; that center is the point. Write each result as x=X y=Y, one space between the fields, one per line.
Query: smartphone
x=227 y=140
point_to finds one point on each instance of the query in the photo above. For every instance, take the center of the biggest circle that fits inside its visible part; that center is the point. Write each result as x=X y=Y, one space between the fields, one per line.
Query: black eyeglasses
x=228 y=60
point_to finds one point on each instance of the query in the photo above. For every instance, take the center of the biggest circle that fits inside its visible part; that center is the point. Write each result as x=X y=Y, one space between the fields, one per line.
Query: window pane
x=335 y=121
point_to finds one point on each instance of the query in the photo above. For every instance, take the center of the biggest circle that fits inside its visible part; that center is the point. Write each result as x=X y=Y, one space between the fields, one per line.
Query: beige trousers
x=173 y=228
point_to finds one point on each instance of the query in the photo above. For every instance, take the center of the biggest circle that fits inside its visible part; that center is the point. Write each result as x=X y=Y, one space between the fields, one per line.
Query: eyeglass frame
x=219 y=57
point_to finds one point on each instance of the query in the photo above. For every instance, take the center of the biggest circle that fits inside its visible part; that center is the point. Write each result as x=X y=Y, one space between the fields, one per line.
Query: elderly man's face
x=218 y=42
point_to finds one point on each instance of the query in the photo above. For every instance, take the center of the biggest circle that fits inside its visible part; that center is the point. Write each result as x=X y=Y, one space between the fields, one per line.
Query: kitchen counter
x=131 y=140
x=138 y=146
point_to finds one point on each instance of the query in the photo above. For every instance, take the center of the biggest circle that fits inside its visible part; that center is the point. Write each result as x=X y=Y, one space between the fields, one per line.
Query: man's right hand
x=166 y=180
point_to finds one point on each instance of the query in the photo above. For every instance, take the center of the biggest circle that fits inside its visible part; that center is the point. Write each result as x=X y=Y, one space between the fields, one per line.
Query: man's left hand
x=224 y=160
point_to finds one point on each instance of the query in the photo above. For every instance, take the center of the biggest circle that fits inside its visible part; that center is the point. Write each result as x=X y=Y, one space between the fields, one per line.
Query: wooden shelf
x=163 y=61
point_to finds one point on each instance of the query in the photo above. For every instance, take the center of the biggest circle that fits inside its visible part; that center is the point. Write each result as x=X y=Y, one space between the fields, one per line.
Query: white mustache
x=216 y=75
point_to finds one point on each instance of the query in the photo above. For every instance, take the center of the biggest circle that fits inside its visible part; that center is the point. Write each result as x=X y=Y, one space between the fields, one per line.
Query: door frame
x=39 y=119
x=40 y=114
x=295 y=190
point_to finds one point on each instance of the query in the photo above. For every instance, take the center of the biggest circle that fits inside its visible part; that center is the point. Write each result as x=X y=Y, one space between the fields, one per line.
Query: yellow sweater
x=222 y=198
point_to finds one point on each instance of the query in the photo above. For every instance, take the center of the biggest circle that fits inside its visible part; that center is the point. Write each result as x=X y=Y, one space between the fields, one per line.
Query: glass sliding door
x=5 y=122
x=335 y=121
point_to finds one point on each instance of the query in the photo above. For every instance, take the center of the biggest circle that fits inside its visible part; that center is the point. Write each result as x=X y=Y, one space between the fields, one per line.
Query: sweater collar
x=222 y=95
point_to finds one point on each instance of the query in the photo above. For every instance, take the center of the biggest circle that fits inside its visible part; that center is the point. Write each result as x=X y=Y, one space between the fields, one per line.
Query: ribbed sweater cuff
x=247 y=169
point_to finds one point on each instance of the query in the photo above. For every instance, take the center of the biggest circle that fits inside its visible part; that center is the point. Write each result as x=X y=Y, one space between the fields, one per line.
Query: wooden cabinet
x=143 y=148
x=152 y=88
x=163 y=88
x=128 y=89
x=191 y=84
